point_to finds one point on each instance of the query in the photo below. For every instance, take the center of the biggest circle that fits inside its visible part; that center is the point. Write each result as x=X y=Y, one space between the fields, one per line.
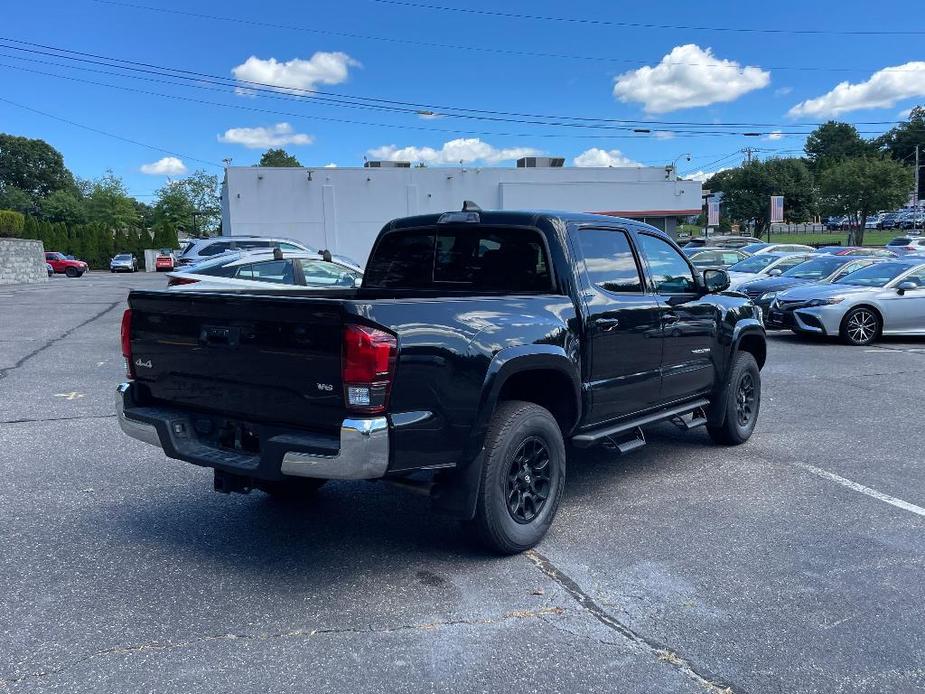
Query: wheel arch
x=870 y=307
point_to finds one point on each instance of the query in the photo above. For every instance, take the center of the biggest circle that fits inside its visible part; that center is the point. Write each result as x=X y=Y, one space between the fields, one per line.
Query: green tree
x=747 y=191
x=833 y=142
x=12 y=223
x=108 y=203
x=900 y=143
x=863 y=185
x=12 y=198
x=278 y=157
x=64 y=206
x=190 y=204
x=32 y=166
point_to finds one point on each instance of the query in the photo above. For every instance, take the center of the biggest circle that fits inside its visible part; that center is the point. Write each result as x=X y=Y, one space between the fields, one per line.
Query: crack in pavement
x=541 y=614
x=67 y=333
x=663 y=653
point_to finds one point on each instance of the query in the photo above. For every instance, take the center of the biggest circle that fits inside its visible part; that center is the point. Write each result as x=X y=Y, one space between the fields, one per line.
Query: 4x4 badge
x=146 y=364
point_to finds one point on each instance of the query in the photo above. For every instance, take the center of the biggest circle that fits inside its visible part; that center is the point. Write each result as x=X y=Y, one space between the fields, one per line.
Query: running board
x=590 y=438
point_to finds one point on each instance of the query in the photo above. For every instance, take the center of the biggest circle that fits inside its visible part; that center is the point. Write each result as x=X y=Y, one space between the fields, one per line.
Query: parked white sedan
x=268 y=269
x=887 y=298
x=764 y=265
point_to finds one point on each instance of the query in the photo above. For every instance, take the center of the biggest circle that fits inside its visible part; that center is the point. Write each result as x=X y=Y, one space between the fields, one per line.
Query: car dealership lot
x=792 y=563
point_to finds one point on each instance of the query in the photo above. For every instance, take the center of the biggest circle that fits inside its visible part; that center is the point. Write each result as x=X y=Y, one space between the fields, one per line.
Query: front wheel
x=72 y=272
x=861 y=326
x=523 y=476
x=741 y=400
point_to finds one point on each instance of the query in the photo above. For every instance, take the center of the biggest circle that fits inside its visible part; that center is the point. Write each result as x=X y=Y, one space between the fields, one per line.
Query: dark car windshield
x=464 y=259
x=755 y=264
x=875 y=275
x=123 y=256
x=816 y=269
x=902 y=241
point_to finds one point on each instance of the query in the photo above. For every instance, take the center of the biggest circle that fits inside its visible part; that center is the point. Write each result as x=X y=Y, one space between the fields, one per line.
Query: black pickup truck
x=478 y=346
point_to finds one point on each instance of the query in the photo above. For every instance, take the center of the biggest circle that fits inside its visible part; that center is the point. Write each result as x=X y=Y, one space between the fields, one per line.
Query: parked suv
x=61 y=264
x=903 y=245
x=478 y=345
x=197 y=250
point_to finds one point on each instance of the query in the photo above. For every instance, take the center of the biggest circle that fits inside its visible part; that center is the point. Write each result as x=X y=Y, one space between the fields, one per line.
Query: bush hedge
x=12 y=223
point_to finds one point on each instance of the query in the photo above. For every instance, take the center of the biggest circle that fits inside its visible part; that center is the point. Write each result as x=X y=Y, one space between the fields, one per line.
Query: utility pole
x=915 y=195
x=748 y=152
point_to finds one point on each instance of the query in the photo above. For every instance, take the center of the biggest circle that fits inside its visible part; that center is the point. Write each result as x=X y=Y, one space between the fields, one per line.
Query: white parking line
x=873 y=493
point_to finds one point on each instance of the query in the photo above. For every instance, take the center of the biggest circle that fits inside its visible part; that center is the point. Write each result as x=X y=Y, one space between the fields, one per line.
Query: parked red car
x=164 y=262
x=61 y=264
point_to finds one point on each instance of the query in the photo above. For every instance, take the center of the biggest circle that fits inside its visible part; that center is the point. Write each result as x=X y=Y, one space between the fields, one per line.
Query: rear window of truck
x=467 y=259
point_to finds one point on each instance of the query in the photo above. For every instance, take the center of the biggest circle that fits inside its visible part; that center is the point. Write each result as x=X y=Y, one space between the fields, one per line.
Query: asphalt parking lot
x=791 y=564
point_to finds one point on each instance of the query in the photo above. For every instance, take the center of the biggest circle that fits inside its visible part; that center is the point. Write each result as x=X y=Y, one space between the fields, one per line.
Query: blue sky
x=697 y=80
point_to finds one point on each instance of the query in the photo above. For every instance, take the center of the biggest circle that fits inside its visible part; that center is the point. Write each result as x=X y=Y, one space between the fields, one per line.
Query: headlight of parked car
x=826 y=302
x=767 y=296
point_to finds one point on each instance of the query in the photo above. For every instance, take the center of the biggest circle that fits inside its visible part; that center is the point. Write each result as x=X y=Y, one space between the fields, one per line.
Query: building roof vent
x=540 y=162
x=387 y=164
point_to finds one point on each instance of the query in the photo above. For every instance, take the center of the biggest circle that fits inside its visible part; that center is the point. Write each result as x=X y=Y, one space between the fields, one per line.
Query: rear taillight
x=126 y=335
x=368 y=366
x=174 y=281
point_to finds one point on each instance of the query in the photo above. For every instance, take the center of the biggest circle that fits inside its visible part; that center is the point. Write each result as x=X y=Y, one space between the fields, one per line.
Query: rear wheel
x=742 y=399
x=860 y=326
x=523 y=476
x=291 y=489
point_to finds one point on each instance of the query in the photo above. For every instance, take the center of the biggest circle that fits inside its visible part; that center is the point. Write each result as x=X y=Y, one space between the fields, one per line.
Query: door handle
x=607 y=324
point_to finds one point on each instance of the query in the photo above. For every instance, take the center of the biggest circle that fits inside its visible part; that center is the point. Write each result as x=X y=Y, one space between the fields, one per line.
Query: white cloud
x=277 y=135
x=603 y=157
x=332 y=165
x=688 y=76
x=295 y=74
x=464 y=149
x=883 y=89
x=904 y=114
x=168 y=166
x=663 y=135
x=782 y=91
x=703 y=175
x=776 y=135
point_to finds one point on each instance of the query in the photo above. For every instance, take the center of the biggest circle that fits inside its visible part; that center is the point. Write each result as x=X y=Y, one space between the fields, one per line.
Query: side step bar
x=590 y=438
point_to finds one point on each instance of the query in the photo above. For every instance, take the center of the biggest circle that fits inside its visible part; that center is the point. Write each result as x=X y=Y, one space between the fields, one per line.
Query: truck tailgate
x=257 y=357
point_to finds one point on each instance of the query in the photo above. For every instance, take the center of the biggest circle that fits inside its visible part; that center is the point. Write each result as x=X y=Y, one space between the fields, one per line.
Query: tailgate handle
x=219 y=336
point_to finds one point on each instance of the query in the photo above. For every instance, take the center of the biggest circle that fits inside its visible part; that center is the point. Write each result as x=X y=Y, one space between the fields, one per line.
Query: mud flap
x=456 y=492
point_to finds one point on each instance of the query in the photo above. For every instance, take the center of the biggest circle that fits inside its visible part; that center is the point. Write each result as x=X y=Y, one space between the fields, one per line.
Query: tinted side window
x=670 y=272
x=277 y=271
x=244 y=245
x=731 y=258
x=609 y=260
x=318 y=272
x=216 y=248
x=469 y=259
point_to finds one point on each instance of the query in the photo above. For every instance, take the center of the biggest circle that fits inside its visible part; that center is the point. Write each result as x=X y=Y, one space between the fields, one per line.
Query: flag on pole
x=713 y=213
x=777 y=208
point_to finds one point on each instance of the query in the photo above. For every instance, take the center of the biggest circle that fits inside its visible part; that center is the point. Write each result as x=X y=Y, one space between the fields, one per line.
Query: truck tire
x=523 y=476
x=291 y=489
x=742 y=401
x=72 y=272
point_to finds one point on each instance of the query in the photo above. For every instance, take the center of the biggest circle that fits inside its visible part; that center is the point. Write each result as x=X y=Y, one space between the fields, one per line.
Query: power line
x=335 y=98
x=108 y=134
x=463 y=47
x=647 y=25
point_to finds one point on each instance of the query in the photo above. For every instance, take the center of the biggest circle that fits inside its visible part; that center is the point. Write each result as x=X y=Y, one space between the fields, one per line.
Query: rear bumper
x=361 y=451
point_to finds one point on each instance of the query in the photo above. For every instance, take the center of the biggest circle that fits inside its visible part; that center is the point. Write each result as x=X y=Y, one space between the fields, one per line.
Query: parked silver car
x=197 y=250
x=123 y=262
x=887 y=298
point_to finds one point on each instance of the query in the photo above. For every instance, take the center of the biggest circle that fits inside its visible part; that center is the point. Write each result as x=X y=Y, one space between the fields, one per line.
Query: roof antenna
x=469 y=206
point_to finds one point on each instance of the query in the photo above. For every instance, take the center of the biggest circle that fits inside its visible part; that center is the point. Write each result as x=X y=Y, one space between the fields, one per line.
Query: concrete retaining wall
x=22 y=261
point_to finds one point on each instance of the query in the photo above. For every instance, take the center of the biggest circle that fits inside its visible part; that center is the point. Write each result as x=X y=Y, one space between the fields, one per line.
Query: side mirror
x=358 y=282
x=715 y=280
x=906 y=286
x=776 y=272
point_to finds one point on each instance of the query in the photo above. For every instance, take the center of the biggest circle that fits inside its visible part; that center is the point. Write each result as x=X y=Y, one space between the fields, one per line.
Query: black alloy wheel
x=528 y=480
x=745 y=399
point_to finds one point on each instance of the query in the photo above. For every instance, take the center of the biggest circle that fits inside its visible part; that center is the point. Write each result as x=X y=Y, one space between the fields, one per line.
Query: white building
x=343 y=209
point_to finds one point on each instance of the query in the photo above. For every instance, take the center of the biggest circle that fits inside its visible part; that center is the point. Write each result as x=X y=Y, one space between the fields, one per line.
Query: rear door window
x=215 y=248
x=275 y=271
x=609 y=260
